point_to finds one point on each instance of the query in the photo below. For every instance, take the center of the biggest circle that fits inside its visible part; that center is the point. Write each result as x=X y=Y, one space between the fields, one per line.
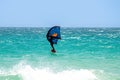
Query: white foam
x=29 y=73
x=26 y=72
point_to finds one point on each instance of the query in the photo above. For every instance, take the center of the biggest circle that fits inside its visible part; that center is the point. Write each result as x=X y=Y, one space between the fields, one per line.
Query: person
x=50 y=39
x=51 y=43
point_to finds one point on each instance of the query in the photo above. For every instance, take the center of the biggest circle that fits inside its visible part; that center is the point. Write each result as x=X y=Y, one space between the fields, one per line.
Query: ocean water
x=82 y=54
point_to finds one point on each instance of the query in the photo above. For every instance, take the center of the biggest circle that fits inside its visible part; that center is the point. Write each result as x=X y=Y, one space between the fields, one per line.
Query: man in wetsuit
x=51 y=43
x=50 y=39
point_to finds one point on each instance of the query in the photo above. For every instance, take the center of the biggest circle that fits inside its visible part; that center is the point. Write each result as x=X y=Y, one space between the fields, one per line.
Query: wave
x=27 y=72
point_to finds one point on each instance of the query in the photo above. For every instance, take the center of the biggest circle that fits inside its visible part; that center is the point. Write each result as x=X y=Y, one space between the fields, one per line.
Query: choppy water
x=82 y=54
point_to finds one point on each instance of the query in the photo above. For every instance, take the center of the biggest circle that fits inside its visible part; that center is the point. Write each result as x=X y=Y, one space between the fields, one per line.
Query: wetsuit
x=50 y=39
x=51 y=42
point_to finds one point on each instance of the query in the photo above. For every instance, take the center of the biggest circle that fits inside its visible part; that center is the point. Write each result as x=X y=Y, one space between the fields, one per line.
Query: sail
x=54 y=34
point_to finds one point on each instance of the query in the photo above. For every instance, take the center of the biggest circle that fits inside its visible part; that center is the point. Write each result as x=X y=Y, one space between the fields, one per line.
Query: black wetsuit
x=51 y=42
x=50 y=38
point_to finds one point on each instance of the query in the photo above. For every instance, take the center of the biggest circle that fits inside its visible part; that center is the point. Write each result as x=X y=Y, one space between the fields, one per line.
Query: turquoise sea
x=82 y=54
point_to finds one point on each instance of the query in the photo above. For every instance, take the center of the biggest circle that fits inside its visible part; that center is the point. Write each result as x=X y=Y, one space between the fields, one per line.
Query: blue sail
x=54 y=34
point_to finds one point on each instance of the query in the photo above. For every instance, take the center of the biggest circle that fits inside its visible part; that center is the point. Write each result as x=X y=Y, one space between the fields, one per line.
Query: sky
x=66 y=13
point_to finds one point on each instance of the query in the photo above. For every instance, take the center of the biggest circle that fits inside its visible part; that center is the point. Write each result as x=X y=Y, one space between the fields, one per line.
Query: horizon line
x=60 y=26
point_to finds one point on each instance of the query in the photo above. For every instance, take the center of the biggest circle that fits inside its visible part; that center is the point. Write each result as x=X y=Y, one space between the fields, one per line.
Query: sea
x=82 y=54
